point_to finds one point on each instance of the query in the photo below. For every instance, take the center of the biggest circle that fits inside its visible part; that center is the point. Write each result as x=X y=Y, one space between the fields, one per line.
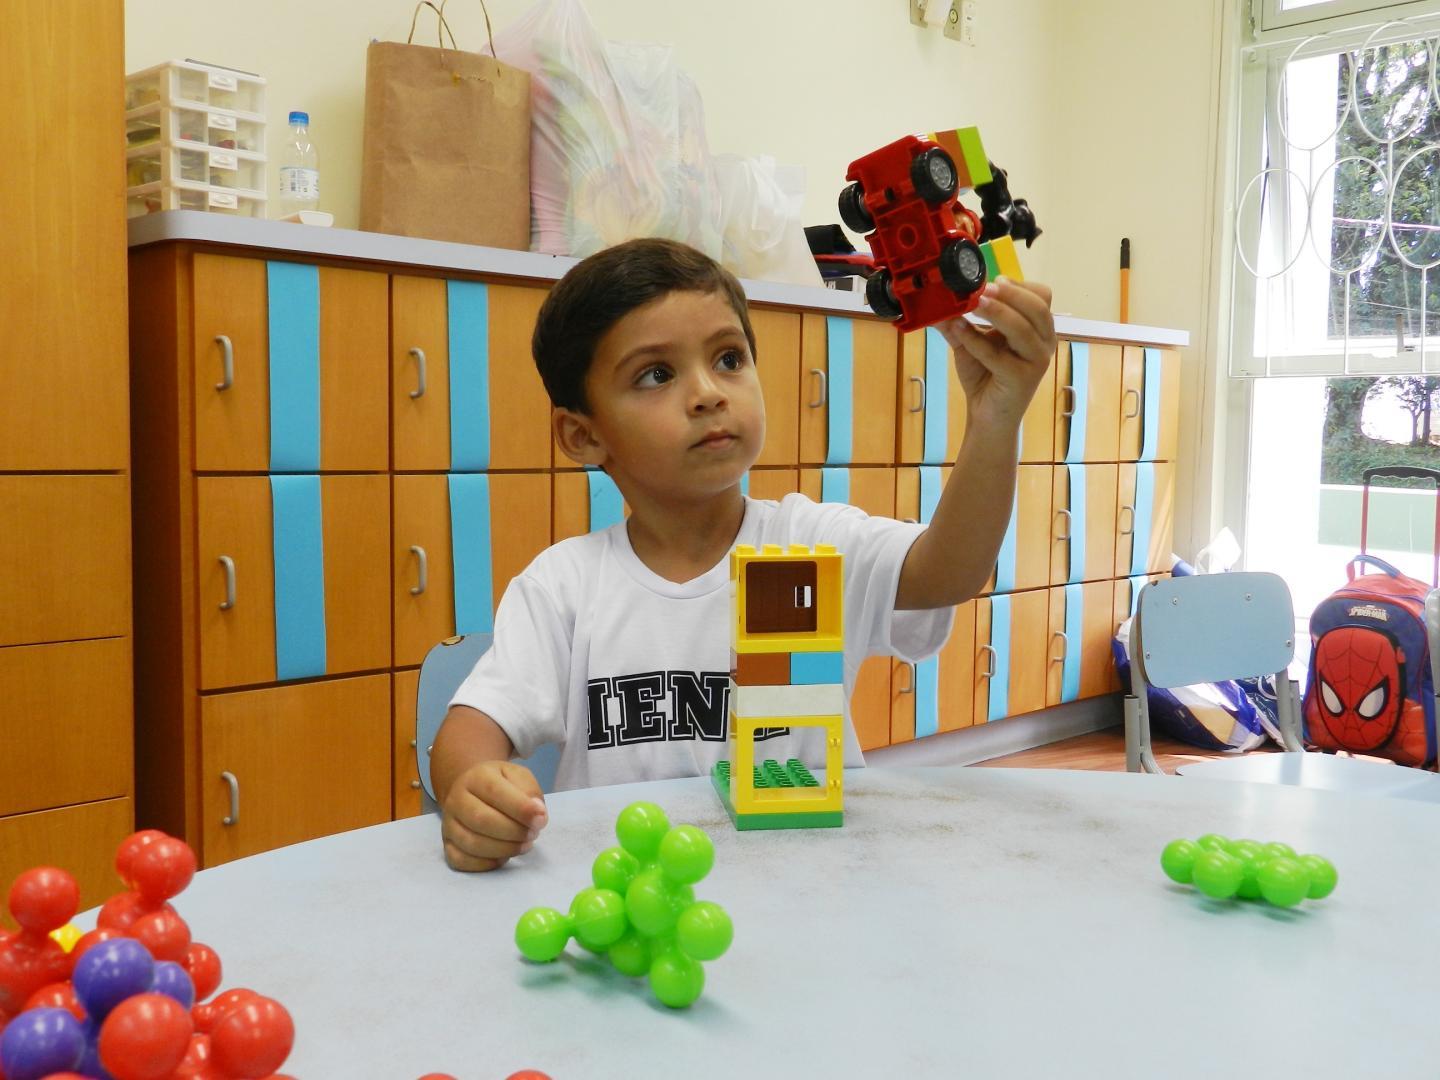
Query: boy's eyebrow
x=663 y=346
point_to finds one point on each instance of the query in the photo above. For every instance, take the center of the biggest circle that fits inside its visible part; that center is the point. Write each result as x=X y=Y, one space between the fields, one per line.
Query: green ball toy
x=704 y=931
x=686 y=854
x=1218 y=874
x=1178 y=860
x=630 y=955
x=614 y=868
x=1275 y=848
x=541 y=934
x=640 y=828
x=1323 y=876
x=598 y=917
x=1284 y=881
x=676 y=979
x=1213 y=842
x=653 y=903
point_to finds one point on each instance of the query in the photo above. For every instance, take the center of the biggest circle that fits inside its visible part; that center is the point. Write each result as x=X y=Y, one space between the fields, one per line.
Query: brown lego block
x=761 y=669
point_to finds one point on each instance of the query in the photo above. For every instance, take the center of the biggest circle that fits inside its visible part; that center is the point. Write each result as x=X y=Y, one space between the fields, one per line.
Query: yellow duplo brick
x=1007 y=259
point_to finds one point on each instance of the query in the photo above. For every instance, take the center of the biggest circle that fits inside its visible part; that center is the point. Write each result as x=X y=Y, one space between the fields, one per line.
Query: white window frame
x=1269 y=18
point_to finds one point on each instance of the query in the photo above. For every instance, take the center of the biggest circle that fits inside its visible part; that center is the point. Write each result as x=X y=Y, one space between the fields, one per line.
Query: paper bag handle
x=444 y=27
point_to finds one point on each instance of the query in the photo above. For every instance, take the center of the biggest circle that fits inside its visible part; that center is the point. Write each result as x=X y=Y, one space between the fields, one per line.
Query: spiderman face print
x=1360 y=686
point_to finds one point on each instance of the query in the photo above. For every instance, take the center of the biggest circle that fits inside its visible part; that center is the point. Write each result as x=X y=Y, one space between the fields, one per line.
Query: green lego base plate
x=771 y=774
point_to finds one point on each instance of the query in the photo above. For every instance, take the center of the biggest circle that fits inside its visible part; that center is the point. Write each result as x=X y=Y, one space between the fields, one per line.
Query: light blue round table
x=964 y=922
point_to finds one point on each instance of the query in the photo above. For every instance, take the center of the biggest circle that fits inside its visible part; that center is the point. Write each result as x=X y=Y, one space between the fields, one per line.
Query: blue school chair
x=444 y=669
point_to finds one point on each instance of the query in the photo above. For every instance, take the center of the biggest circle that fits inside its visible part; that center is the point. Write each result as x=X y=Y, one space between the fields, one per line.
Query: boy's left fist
x=1000 y=366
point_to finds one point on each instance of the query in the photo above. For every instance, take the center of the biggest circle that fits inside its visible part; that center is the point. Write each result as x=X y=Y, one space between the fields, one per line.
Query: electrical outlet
x=917 y=12
x=960 y=21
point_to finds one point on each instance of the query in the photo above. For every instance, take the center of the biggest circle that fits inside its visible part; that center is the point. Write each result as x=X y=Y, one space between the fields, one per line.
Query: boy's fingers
x=1019 y=332
x=502 y=789
x=459 y=860
x=1031 y=299
x=975 y=342
x=480 y=845
x=475 y=816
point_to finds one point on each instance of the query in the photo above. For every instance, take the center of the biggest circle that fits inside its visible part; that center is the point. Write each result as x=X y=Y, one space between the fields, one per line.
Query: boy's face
x=675 y=405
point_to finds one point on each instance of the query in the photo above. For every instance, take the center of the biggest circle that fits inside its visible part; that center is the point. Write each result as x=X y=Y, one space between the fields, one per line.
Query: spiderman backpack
x=1371 y=686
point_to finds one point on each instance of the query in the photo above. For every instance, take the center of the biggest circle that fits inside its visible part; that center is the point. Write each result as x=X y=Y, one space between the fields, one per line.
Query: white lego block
x=761 y=702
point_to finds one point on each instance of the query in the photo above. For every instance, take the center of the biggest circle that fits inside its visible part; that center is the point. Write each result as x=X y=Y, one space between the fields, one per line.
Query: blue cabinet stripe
x=1078 y=504
x=1000 y=642
x=468 y=307
x=293 y=317
x=937 y=397
x=1154 y=373
x=840 y=364
x=1074 y=630
x=927 y=697
x=298 y=539
x=1136 y=584
x=930 y=489
x=1005 y=561
x=607 y=506
x=834 y=485
x=1144 y=517
x=745 y=484
x=1080 y=381
x=470 y=546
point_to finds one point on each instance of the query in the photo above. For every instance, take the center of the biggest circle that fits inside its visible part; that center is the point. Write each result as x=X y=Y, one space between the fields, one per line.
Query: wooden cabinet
x=1150 y=386
x=405 y=761
x=847 y=416
x=777 y=361
x=1025 y=553
x=1011 y=639
x=1082 y=624
x=930 y=405
x=66 y=696
x=268 y=764
x=1145 y=517
x=332 y=330
x=1087 y=402
x=501 y=407
x=1083 y=542
x=773 y=483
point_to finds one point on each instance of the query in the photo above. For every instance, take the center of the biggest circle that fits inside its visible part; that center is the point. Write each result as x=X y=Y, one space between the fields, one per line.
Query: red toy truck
x=929 y=251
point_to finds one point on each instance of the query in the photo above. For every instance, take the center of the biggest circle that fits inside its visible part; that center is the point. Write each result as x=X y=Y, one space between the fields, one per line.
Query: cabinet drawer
x=508 y=427
x=307 y=761
x=81 y=839
x=1087 y=402
x=64 y=558
x=408 y=793
x=236 y=523
x=66 y=713
x=863 y=419
x=777 y=361
x=342 y=313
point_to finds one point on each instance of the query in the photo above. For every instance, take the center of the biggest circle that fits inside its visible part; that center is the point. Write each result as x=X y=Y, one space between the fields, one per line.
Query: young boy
x=616 y=644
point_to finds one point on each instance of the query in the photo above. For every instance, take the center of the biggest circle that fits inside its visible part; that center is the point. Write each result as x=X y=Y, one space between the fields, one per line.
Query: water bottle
x=299 y=171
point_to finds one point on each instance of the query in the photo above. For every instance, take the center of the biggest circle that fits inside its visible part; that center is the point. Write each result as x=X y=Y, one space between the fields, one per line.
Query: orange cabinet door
x=290 y=763
x=64 y=379
x=1087 y=380
x=94 y=758
x=1037 y=428
x=1090 y=520
x=1024 y=559
x=81 y=839
x=424 y=556
x=1127 y=595
x=572 y=497
x=406 y=770
x=777 y=361
x=928 y=400
x=514 y=432
x=1011 y=633
x=236 y=577
x=1082 y=624
x=1150 y=383
x=64 y=557
x=231 y=369
x=875 y=361
x=1144 y=483
x=773 y=483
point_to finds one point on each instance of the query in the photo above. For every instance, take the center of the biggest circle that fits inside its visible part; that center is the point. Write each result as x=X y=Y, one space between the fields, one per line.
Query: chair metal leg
x=1138 y=755
x=1288 y=714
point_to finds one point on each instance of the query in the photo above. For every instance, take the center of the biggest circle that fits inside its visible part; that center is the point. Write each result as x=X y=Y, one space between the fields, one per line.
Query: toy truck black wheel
x=853 y=212
x=881 y=297
x=962 y=267
x=934 y=176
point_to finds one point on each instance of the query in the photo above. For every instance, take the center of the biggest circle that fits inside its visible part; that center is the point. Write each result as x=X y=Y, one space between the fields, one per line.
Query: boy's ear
x=575 y=434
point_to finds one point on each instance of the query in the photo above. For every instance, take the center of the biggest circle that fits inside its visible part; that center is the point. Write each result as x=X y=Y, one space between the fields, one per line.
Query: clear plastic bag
x=618 y=144
x=761 y=204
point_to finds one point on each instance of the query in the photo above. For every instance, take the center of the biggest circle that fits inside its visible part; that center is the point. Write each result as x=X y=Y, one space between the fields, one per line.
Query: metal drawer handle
x=824 y=388
x=1065 y=641
x=229 y=564
x=1131 y=415
x=227 y=363
x=921 y=382
x=1067 y=516
x=419 y=355
x=233 y=818
x=1131 y=530
x=911 y=688
x=1073 y=399
x=424 y=576
x=989 y=672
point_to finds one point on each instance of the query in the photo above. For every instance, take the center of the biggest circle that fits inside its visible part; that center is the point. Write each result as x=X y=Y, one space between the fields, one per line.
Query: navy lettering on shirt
x=663 y=706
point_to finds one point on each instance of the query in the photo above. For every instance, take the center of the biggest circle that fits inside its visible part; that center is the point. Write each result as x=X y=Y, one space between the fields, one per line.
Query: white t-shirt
x=630 y=672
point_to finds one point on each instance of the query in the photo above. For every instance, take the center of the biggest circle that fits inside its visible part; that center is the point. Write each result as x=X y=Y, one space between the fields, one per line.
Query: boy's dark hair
x=601 y=290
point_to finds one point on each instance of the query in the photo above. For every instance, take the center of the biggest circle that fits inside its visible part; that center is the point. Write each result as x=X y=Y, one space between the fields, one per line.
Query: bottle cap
x=299 y=118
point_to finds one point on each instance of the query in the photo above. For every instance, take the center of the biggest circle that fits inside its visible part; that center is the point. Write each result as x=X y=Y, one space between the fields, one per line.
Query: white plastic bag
x=618 y=138
x=761 y=204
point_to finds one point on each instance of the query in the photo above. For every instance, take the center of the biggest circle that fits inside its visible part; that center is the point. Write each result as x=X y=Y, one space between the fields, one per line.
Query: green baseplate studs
x=771 y=774
x=641 y=913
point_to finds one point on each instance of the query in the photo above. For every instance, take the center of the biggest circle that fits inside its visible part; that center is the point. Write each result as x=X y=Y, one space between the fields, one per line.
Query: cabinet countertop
x=196 y=226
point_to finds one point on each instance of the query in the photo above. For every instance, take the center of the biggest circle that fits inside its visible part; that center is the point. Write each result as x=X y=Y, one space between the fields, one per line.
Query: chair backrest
x=1211 y=627
x=445 y=668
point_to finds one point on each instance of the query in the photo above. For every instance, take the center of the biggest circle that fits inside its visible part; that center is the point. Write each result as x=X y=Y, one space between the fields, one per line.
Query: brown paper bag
x=446 y=144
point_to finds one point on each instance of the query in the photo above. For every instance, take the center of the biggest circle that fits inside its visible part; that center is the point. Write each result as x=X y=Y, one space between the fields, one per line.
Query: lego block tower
x=787 y=636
